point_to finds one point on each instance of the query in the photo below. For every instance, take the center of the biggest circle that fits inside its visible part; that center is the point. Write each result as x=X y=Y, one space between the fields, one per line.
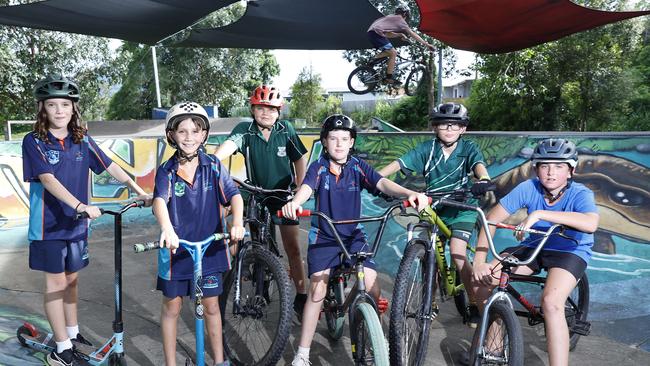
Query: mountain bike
x=499 y=340
x=365 y=78
x=424 y=275
x=196 y=251
x=369 y=345
x=255 y=304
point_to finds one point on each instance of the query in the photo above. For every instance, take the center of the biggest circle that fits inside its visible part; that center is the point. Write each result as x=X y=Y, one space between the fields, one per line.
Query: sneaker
x=473 y=317
x=300 y=360
x=393 y=82
x=66 y=358
x=81 y=340
x=299 y=305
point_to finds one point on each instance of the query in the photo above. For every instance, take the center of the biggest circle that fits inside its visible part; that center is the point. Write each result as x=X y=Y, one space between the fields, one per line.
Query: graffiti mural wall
x=615 y=167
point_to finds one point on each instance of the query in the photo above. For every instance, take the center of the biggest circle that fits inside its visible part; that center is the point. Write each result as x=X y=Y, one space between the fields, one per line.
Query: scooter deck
x=45 y=342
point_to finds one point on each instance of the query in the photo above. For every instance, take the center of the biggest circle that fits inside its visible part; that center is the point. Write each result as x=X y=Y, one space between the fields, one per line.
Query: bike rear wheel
x=413 y=80
x=409 y=326
x=370 y=347
x=257 y=332
x=364 y=79
x=503 y=343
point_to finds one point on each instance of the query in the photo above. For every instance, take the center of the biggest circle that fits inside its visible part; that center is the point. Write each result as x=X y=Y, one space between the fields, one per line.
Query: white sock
x=304 y=351
x=72 y=331
x=62 y=346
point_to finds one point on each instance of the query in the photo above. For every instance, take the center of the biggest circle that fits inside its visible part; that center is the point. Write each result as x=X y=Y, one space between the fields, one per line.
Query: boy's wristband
x=76 y=209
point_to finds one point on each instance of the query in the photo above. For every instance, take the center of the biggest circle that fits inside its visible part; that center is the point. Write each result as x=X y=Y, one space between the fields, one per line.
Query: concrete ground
x=21 y=299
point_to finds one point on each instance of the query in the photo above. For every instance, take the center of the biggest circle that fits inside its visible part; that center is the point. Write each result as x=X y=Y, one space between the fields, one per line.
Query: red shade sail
x=497 y=26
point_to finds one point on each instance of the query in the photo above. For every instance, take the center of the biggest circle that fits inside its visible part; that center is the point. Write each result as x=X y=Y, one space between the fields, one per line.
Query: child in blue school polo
x=57 y=157
x=336 y=179
x=191 y=191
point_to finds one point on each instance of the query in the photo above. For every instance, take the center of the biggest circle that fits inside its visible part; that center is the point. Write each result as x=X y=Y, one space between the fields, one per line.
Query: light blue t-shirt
x=577 y=198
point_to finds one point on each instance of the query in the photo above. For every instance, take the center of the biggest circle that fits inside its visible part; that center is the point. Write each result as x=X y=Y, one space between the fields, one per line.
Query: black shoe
x=81 y=340
x=473 y=317
x=66 y=358
x=299 y=305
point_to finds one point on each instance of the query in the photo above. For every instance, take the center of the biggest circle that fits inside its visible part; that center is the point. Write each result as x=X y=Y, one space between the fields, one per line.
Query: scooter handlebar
x=145 y=247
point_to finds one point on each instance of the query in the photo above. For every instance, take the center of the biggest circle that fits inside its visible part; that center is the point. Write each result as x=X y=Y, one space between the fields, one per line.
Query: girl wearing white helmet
x=191 y=190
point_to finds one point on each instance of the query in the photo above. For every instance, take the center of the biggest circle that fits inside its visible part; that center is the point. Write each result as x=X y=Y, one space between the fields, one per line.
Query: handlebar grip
x=304 y=213
x=144 y=247
x=461 y=205
x=84 y=215
x=406 y=203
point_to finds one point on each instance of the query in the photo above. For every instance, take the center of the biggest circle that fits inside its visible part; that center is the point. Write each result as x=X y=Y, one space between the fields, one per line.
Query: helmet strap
x=182 y=157
x=551 y=197
x=449 y=144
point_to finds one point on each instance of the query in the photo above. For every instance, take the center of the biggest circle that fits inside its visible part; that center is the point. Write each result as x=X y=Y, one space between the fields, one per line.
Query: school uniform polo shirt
x=49 y=218
x=196 y=211
x=339 y=196
x=442 y=174
x=270 y=161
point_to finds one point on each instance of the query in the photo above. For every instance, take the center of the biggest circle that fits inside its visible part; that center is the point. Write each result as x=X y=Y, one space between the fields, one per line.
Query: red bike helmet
x=267 y=95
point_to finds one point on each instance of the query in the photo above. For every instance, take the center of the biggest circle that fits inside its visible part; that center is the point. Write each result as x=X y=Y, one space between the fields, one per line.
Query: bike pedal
x=382 y=305
x=581 y=327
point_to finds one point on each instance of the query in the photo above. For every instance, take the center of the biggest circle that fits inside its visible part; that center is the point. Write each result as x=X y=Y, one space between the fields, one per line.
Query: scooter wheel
x=21 y=333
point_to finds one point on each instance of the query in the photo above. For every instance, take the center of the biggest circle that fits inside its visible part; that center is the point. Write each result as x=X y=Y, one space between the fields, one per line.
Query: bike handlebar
x=249 y=187
x=123 y=209
x=152 y=245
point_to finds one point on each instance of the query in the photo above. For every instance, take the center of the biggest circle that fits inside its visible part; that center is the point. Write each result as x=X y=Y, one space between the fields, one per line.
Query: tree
x=306 y=94
x=205 y=75
x=578 y=83
x=639 y=116
x=27 y=55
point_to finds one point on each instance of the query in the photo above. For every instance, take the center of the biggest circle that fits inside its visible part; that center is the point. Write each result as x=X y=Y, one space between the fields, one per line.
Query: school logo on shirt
x=282 y=151
x=179 y=189
x=78 y=156
x=52 y=156
x=211 y=282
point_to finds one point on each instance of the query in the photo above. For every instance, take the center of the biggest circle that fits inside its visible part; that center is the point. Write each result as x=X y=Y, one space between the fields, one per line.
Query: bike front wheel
x=363 y=79
x=576 y=310
x=370 y=346
x=409 y=325
x=503 y=343
x=256 y=331
x=413 y=80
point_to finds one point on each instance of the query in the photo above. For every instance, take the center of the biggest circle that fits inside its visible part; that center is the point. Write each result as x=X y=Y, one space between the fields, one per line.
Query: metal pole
x=439 y=95
x=155 y=74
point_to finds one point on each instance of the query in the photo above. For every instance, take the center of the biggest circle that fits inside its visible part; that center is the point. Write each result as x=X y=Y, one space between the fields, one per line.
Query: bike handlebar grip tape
x=139 y=248
x=304 y=213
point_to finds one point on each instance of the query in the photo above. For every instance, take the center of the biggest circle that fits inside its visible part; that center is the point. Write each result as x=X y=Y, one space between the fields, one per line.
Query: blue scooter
x=112 y=351
x=196 y=250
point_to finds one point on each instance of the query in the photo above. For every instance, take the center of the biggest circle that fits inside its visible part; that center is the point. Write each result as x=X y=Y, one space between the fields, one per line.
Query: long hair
x=76 y=125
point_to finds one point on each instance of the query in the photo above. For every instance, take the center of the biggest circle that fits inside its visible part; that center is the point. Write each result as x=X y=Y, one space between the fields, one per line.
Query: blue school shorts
x=58 y=256
x=326 y=255
x=212 y=286
x=378 y=41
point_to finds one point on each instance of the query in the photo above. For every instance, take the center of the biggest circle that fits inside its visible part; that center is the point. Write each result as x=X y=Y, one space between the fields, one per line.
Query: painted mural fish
x=622 y=192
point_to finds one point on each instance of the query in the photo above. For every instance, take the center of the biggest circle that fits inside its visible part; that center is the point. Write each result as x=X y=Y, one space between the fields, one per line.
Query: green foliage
x=578 y=83
x=306 y=94
x=332 y=105
x=208 y=76
x=27 y=55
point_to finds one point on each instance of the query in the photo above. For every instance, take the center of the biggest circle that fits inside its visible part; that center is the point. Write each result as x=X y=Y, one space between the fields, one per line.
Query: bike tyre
x=406 y=349
x=513 y=333
x=582 y=297
x=239 y=349
x=368 y=76
x=366 y=318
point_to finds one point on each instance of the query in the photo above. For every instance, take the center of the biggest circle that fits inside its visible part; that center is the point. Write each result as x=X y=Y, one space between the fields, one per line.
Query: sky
x=332 y=67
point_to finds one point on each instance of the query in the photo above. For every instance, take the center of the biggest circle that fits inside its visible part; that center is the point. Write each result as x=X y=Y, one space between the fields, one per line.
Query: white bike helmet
x=180 y=112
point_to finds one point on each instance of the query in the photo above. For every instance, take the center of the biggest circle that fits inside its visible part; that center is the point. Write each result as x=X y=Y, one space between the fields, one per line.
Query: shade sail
x=497 y=26
x=141 y=21
x=293 y=24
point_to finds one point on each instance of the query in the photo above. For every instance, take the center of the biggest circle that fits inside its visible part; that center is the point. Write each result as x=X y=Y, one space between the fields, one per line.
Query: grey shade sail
x=293 y=24
x=141 y=21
